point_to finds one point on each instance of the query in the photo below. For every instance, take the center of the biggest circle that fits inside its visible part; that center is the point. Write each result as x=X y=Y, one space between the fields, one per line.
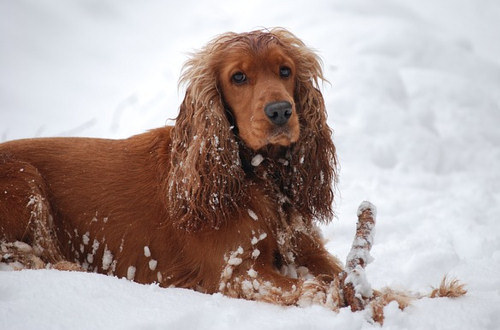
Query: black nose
x=278 y=112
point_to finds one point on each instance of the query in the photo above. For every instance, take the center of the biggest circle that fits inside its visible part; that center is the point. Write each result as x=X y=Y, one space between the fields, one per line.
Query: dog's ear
x=205 y=176
x=314 y=156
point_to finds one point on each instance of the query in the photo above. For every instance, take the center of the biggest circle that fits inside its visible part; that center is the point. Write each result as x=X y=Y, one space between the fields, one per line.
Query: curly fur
x=207 y=182
x=224 y=201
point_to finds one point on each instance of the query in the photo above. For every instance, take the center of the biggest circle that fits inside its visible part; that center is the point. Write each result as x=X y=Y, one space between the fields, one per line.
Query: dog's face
x=258 y=87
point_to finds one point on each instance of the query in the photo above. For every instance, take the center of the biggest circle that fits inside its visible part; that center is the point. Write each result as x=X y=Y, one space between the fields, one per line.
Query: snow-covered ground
x=414 y=101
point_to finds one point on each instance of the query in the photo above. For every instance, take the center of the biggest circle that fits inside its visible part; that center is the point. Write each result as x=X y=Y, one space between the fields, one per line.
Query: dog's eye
x=285 y=72
x=239 y=78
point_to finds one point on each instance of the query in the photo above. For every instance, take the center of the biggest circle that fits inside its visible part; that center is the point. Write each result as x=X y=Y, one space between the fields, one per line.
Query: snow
x=86 y=238
x=252 y=273
x=147 y=252
x=252 y=215
x=256 y=240
x=131 y=272
x=107 y=258
x=366 y=205
x=357 y=277
x=152 y=264
x=256 y=160
x=413 y=99
x=233 y=259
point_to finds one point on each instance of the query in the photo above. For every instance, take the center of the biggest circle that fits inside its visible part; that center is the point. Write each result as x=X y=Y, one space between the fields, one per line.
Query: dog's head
x=261 y=89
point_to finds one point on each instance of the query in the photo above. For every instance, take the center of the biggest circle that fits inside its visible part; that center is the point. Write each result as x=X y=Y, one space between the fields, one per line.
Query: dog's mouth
x=261 y=134
x=281 y=136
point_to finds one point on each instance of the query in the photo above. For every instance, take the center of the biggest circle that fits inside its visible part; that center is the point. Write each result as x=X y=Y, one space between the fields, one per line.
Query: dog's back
x=69 y=189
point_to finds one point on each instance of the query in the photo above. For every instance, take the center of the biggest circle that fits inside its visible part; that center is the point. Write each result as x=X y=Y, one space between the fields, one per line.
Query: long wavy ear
x=314 y=156
x=205 y=177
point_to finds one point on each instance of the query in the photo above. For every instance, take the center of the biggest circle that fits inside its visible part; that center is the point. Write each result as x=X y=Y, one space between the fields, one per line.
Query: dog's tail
x=357 y=291
x=452 y=288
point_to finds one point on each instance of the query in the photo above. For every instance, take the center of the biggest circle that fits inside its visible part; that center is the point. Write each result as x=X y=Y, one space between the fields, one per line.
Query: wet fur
x=224 y=201
x=188 y=192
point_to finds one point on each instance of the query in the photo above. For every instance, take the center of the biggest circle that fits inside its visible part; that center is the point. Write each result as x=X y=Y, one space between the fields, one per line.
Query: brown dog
x=224 y=201
x=244 y=172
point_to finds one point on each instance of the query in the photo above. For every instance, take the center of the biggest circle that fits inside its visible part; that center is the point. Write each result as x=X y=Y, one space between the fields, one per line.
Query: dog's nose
x=278 y=112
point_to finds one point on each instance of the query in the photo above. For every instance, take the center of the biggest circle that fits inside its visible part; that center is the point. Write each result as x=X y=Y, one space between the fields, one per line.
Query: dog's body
x=111 y=226
x=224 y=201
x=58 y=176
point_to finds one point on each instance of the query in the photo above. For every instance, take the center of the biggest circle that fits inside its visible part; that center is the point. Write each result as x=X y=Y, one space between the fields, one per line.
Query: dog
x=226 y=200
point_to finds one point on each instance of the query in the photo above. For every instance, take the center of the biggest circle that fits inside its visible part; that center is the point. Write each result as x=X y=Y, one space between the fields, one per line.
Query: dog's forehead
x=247 y=58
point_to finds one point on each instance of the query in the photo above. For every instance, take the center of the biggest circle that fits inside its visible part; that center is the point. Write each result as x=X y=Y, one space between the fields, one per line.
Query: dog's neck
x=267 y=157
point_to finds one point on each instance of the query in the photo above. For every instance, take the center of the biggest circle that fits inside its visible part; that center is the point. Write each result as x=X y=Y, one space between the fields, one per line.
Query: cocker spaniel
x=225 y=201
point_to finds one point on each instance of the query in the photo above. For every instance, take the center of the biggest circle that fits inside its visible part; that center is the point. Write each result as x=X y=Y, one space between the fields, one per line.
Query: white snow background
x=414 y=102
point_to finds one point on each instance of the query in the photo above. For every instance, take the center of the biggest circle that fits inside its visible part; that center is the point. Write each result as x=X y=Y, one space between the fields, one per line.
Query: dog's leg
x=247 y=275
x=25 y=213
x=311 y=253
x=262 y=284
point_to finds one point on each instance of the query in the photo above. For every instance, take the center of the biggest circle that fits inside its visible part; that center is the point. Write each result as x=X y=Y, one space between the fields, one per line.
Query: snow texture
x=360 y=256
x=152 y=264
x=414 y=102
x=256 y=160
x=365 y=205
x=252 y=215
x=131 y=273
x=107 y=258
x=147 y=252
x=362 y=287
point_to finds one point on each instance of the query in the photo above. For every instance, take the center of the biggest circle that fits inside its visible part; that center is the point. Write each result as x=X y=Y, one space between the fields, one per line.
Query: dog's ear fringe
x=206 y=179
x=316 y=157
x=204 y=182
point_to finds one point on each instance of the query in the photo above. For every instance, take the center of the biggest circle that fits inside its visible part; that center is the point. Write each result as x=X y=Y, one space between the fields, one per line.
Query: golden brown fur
x=205 y=143
x=189 y=193
x=224 y=201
